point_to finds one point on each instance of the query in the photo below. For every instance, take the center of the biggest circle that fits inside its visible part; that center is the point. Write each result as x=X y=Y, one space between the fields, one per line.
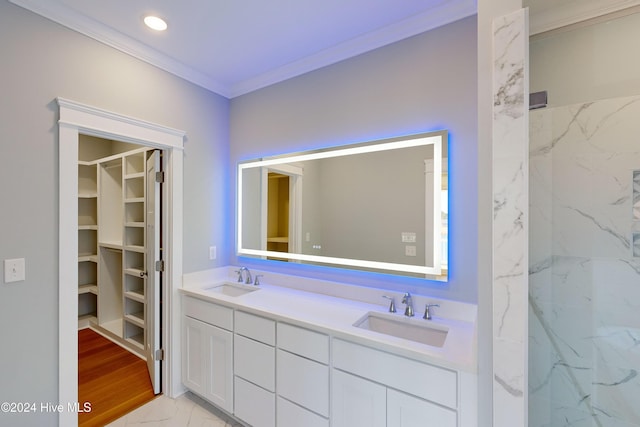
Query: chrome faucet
x=427 y=311
x=392 y=303
x=406 y=299
x=248 y=279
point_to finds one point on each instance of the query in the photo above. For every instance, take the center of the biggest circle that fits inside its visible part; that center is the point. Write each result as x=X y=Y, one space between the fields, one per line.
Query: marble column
x=510 y=218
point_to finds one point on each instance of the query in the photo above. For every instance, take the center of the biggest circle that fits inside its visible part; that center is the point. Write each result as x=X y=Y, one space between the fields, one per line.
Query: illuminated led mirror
x=379 y=206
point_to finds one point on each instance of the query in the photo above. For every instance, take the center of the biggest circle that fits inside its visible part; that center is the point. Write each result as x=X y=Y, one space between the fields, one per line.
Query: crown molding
x=565 y=14
x=443 y=14
x=69 y=18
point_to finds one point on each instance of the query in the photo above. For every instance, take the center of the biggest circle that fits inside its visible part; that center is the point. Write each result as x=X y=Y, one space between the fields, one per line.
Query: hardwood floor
x=113 y=380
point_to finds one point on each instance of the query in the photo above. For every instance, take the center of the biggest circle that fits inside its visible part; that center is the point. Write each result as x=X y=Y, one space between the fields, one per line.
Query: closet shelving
x=111 y=246
x=134 y=248
x=87 y=243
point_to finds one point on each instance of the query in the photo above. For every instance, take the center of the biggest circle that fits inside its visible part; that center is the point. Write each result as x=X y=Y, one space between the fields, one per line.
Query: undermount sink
x=232 y=289
x=413 y=329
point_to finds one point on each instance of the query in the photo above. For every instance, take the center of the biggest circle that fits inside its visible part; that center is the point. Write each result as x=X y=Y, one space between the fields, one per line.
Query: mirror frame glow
x=431 y=138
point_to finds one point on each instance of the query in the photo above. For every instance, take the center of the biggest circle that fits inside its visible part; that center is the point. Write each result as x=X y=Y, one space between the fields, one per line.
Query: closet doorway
x=119 y=245
x=77 y=119
x=281 y=209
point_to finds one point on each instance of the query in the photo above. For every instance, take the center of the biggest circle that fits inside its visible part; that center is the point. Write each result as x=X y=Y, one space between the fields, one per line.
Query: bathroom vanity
x=288 y=357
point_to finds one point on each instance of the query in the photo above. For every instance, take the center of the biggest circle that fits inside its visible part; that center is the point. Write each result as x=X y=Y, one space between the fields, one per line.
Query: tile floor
x=187 y=410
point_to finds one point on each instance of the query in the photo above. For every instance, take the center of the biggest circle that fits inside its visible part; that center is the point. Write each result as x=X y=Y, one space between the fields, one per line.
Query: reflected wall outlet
x=14 y=270
x=213 y=252
x=410 y=250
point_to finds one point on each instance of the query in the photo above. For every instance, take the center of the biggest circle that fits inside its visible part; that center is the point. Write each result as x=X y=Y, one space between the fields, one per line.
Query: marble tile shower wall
x=584 y=302
x=510 y=222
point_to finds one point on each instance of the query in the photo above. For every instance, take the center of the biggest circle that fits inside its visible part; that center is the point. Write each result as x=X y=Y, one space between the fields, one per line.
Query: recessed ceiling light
x=155 y=23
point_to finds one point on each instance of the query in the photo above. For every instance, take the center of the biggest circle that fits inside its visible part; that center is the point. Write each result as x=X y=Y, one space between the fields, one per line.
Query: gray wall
x=41 y=61
x=427 y=82
x=587 y=63
x=368 y=201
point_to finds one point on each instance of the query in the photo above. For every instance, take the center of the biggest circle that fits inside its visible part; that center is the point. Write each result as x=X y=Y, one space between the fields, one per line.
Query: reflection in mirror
x=380 y=206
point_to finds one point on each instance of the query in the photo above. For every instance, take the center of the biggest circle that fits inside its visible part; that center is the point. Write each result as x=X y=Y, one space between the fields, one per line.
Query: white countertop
x=336 y=316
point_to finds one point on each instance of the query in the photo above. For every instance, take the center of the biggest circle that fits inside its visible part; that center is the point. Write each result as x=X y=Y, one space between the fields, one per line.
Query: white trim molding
x=444 y=13
x=555 y=14
x=67 y=17
x=76 y=119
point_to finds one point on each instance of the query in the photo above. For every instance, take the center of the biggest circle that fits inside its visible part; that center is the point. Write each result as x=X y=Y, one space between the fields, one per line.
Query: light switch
x=408 y=237
x=14 y=270
x=213 y=252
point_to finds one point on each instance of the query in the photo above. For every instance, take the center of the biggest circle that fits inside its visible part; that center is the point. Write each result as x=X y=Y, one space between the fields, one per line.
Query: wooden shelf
x=134 y=175
x=88 y=227
x=87 y=257
x=134 y=200
x=137 y=340
x=278 y=239
x=111 y=245
x=134 y=271
x=90 y=288
x=136 y=296
x=134 y=224
x=134 y=248
x=135 y=318
x=135 y=164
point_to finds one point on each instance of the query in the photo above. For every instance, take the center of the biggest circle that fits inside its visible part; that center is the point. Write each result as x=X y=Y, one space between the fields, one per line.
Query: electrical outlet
x=410 y=250
x=14 y=270
x=213 y=252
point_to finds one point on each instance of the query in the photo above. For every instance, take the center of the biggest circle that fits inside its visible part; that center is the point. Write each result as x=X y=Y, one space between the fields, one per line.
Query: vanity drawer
x=290 y=415
x=254 y=362
x=255 y=327
x=303 y=381
x=420 y=379
x=306 y=343
x=208 y=312
x=253 y=404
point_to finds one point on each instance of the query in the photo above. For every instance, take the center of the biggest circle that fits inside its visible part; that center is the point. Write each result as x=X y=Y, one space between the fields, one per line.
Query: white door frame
x=295 y=174
x=76 y=119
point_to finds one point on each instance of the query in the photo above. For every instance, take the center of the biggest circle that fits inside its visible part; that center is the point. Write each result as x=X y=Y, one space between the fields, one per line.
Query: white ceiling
x=233 y=47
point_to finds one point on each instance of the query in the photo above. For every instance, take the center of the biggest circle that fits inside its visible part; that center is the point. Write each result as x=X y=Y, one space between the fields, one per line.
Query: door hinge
x=160 y=265
x=160 y=177
x=159 y=354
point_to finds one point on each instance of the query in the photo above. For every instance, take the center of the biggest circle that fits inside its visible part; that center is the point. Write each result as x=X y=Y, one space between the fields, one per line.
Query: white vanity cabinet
x=269 y=370
x=374 y=388
x=254 y=369
x=207 y=351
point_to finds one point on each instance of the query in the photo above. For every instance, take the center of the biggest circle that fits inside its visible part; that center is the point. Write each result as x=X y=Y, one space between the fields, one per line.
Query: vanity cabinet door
x=207 y=367
x=193 y=358
x=404 y=410
x=357 y=402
